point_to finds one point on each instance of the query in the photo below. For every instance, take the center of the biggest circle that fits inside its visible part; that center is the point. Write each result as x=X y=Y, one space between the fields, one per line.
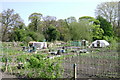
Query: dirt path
x=5 y=75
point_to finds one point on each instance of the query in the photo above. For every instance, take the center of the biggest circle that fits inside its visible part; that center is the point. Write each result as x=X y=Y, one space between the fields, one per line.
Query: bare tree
x=48 y=20
x=108 y=10
x=71 y=19
x=9 y=20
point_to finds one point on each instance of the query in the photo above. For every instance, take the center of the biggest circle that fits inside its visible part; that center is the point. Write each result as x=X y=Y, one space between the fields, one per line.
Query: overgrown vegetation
x=31 y=65
x=38 y=65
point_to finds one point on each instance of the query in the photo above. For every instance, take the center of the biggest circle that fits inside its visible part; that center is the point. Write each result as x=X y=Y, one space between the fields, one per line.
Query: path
x=5 y=75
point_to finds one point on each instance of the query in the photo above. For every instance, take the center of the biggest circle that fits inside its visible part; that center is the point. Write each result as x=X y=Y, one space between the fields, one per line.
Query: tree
x=80 y=30
x=71 y=19
x=63 y=28
x=109 y=11
x=9 y=21
x=36 y=36
x=52 y=33
x=48 y=20
x=97 y=32
x=35 y=20
x=106 y=26
x=18 y=35
x=92 y=20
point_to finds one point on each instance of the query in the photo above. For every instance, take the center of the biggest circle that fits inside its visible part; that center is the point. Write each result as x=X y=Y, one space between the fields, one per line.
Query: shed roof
x=101 y=42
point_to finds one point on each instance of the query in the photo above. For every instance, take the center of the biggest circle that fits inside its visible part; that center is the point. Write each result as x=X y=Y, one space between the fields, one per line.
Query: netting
x=95 y=65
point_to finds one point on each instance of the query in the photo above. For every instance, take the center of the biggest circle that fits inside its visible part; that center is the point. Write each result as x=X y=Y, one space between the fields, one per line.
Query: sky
x=61 y=9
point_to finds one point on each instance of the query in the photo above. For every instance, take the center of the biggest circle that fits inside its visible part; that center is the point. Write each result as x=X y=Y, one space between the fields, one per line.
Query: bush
x=28 y=39
x=21 y=44
x=34 y=62
x=6 y=58
x=22 y=58
x=39 y=66
x=113 y=45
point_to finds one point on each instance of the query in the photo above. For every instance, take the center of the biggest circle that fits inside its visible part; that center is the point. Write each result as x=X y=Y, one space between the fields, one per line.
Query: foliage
x=51 y=29
x=28 y=39
x=64 y=30
x=18 y=35
x=22 y=58
x=52 y=33
x=35 y=20
x=71 y=19
x=33 y=36
x=34 y=62
x=49 y=20
x=97 y=32
x=65 y=34
x=108 y=10
x=6 y=58
x=35 y=65
x=106 y=26
x=39 y=67
x=80 y=30
x=9 y=51
x=9 y=21
x=112 y=41
x=90 y=19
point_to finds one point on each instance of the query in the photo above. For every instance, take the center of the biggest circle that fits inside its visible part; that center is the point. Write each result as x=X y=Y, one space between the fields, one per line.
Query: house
x=38 y=45
x=99 y=43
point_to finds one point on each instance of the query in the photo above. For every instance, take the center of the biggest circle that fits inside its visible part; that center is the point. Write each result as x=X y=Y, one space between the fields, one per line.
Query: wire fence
x=92 y=65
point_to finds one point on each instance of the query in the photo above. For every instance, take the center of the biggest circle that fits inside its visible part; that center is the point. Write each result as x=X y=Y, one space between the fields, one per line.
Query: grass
x=99 y=56
x=10 y=51
x=96 y=54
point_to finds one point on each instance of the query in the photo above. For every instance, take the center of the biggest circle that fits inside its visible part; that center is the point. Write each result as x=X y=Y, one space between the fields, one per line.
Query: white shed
x=99 y=43
x=38 y=45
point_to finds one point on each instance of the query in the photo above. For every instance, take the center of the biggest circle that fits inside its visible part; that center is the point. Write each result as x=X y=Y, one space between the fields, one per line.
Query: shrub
x=6 y=58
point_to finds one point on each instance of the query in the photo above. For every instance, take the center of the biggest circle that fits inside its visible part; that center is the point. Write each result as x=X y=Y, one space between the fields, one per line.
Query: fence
x=100 y=65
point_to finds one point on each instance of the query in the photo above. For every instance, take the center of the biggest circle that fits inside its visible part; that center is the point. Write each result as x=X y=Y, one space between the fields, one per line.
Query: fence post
x=75 y=71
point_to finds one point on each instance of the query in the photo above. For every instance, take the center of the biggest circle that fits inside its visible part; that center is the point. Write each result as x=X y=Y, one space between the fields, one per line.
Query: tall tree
x=80 y=30
x=71 y=19
x=92 y=20
x=9 y=21
x=52 y=33
x=63 y=28
x=109 y=11
x=106 y=26
x=97 y=32
x=18 y=33
x=48 y=20
x=35 y=20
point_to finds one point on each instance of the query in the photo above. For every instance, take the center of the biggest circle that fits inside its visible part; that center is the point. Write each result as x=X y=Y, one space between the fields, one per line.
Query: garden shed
x=38 y=45
x=84 y=43
x=99 y=43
